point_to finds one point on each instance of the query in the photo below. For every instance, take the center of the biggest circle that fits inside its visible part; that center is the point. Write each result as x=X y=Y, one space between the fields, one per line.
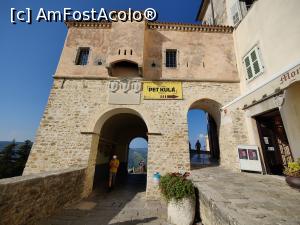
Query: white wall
x=290 y=113
x=275 y=26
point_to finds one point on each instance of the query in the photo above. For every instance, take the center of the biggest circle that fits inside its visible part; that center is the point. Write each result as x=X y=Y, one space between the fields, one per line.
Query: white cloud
x=202 y=136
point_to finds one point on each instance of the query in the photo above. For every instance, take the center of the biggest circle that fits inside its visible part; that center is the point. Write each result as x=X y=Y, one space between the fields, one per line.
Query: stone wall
x=26 y=199
x=67 y=136
x=204 y=53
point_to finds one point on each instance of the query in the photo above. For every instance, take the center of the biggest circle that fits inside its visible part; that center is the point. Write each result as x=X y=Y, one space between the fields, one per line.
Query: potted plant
x=179 y=192
x=292 y=173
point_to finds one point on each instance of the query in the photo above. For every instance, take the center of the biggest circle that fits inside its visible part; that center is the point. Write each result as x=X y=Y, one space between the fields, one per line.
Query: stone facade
x=214 y=12
x=70 y=130
x=26 y=199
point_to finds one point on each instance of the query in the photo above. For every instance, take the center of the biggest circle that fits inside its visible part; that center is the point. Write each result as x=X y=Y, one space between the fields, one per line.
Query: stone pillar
x=167 y=153
x=152 y=191
x=90 y=171
x=232 y=133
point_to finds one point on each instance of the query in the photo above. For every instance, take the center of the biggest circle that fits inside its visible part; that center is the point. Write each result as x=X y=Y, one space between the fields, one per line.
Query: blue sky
x=197 y=124
x=30 y=53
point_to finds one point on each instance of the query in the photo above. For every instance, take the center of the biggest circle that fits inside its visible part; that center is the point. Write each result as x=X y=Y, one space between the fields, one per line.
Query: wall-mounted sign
x=290 y=76
x=124 y=92
x=266 y=140
x=249 y=158
x=162 y=90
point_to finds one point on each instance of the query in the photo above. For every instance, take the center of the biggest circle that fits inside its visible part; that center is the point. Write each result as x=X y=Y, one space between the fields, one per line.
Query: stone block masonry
x=26 y=199
x=68 y=130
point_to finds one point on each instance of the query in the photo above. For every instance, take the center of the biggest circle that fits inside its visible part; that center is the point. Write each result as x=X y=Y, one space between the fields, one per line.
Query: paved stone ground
x=125 y=205
x=248 y=198
x=236 y=198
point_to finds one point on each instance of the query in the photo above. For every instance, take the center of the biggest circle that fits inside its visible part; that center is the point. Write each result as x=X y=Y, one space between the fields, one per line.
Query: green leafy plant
x=293 y=169
x=175 y=186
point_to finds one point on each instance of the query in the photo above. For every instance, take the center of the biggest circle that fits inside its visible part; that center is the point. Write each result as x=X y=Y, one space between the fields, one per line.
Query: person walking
x=142 y=166
x=113 y=169
x=198 y=147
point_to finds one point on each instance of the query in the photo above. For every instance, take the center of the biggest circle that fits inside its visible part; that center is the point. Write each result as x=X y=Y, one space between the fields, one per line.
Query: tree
x=13 y=159
x=6 y=160
x=23 y=153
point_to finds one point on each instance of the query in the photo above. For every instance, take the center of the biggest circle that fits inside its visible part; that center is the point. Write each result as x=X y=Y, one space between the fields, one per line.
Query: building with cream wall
x=275 y=87
x=86 y=120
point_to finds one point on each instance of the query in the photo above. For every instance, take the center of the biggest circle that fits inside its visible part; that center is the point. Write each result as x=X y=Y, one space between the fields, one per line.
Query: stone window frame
x=165 y=57
x=79 y=50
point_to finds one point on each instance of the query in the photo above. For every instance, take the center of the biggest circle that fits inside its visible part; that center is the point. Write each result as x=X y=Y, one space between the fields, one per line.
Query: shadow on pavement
x=135 y=222
x=125 y=204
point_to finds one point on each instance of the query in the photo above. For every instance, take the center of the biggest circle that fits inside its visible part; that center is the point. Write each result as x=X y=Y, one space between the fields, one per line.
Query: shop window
x=171 y=58
x=82 y=56
x=253 y=63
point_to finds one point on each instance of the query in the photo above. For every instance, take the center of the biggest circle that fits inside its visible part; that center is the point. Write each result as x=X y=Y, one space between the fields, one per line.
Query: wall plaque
x=124 y=92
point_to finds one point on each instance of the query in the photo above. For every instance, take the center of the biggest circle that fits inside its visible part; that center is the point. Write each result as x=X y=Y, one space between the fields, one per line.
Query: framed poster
x=253 y=154
x=243 y=153
x=249 y=158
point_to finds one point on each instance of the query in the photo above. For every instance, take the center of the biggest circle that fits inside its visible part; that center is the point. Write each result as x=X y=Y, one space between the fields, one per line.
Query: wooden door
x=274 y=142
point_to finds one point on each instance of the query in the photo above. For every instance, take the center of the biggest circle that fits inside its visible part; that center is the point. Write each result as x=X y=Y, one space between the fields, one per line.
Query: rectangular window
x=236 y=13
x=82 y=56
x=171 y=58
x=253 y=63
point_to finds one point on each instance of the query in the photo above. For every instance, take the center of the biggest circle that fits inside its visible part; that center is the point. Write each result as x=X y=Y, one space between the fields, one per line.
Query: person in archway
x=198 y=147
x=142 y=166
x=113 y=169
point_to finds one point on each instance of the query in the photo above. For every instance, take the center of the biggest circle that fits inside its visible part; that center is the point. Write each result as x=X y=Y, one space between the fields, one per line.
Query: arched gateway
x=116 y=128
x=116 y=81
x=210 y=152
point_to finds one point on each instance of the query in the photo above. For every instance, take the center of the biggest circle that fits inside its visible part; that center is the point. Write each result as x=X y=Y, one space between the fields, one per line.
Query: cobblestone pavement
x=125 y=205
x=248 y=198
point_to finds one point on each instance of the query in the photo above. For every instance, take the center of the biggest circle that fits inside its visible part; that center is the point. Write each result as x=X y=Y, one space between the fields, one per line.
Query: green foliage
x=175 y=186
x=293 y=169
x=13 y=159
x=135 y=156
x=23 y=153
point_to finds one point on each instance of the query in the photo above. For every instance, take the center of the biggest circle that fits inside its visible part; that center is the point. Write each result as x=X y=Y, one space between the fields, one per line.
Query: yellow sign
x=162 y=90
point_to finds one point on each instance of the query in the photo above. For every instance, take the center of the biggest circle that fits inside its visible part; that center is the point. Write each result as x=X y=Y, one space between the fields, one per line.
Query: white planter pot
x=181 y=212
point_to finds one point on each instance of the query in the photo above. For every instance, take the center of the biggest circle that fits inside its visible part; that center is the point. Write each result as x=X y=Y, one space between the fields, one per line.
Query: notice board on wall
x=249 y=158
x=162 y=90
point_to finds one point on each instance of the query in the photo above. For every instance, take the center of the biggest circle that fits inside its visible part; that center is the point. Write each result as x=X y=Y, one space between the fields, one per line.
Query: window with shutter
x=236 y=13
x=253 y=64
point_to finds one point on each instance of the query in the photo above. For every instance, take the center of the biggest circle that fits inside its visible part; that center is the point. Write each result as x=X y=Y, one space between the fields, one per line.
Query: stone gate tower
x=116 y=81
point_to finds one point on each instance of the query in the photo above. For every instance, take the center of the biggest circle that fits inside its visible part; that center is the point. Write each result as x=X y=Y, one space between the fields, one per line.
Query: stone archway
x=211 y=106
x=211 y=154
x=112 y=134
x=127 y=67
